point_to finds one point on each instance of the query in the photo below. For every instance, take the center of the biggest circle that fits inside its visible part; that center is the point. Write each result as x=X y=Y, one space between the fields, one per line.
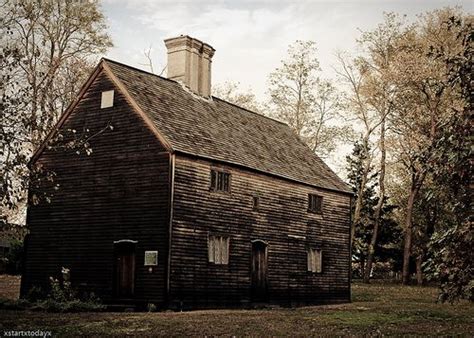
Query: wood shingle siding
x=282 y=221
x=118 y=192
x=148 y=186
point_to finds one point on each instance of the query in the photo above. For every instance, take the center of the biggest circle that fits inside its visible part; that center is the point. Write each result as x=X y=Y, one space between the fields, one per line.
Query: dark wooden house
x=186 y=200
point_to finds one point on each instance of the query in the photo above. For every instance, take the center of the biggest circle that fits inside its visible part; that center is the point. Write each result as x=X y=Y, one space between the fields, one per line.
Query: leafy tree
x=308 y=104
x=389 y=235
x=15 y=258
x=427 y=214
x=378 y=93
x=352 y=75
x=13 y=154
x=231 y=92
x=355 y=169
x=422 y=106
x=451 y=245
x=389 y=245
x=47 y=51
x=369 y=103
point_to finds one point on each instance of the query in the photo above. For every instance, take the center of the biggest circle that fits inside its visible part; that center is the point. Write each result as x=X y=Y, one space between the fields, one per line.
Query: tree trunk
x=360 y=189
x=419 y=272
x=408 y=237
x=409 y=230
x=378 y=209
x=362 y=266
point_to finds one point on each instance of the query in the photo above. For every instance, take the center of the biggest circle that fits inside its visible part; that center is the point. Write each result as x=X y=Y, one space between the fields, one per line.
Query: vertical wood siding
x=282 y=220
x=118 y=192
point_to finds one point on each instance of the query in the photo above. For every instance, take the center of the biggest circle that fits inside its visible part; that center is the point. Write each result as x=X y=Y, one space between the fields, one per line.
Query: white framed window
x=151 y=258
x=218 y=249
x=107 y=99
x=315 y=260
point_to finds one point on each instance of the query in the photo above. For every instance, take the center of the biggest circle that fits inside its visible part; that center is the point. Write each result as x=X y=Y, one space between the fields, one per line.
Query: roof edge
x=137 y=69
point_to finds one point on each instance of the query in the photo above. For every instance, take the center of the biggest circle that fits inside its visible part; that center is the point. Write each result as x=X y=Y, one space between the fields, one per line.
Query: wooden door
x=259 y=270
x=125 y=277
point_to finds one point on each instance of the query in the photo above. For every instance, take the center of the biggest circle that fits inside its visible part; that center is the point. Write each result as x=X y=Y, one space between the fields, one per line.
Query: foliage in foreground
x=61 y=298
x=51 y=305
x=15 y=258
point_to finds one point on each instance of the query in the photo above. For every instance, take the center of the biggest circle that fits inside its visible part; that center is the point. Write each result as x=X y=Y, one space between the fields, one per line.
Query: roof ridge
x=250 y=111
x=138 y=69
x=214 y=97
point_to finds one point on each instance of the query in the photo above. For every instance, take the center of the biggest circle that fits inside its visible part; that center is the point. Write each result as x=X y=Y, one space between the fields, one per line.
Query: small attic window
x=107 y=99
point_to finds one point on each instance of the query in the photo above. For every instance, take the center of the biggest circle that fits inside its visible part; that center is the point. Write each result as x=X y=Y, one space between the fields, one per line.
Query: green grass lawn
x=376 y=309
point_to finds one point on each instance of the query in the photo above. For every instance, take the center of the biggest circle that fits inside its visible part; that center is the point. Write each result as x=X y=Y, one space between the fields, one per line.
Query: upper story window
x=220 y=180
x=107 y=99
x=315 y=203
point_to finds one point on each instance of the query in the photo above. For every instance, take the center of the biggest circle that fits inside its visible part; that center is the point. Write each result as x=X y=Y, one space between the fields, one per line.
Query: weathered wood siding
x=282 y=213
x=118 y=192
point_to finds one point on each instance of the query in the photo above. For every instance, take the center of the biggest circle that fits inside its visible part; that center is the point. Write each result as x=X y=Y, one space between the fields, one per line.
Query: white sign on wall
x=151 y=258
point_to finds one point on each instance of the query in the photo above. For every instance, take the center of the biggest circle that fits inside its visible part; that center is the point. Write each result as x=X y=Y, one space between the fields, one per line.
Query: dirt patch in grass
x=376 y=310
x=10 y=287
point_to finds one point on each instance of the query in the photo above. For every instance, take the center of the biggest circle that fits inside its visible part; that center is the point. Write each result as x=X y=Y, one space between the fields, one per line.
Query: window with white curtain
x=218 y=247
x=315 y=260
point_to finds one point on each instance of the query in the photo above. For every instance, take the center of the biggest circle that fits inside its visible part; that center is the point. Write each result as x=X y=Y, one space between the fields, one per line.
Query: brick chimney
x=189 y=61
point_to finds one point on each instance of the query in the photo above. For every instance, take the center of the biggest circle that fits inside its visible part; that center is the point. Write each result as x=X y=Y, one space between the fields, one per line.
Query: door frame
x=120 y=247
x=265 y=296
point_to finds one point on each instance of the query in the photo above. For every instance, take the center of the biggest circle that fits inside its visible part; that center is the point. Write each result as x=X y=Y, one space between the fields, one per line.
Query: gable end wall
x=118 y=192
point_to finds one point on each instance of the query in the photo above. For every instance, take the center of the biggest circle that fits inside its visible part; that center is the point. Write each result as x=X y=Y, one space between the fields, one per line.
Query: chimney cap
x=188 y=41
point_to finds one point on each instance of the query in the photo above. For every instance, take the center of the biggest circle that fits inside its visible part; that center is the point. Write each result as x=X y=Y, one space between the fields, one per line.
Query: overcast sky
x=250 y=37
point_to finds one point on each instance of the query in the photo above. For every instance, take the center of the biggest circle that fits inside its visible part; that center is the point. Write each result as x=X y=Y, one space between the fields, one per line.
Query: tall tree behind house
x=369 y=103
x=355 y=172
x=423 y=106
x=379 y=91
x=401 y=96
x=451 y=245
x=307 y=103
x=231 y=92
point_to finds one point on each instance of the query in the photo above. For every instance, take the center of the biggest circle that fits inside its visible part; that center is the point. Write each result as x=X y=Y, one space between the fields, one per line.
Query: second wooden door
x=259 y=271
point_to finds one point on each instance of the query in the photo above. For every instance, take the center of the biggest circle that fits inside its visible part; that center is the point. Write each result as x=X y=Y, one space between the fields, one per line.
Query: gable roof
x=218 y=130
x=213 y=128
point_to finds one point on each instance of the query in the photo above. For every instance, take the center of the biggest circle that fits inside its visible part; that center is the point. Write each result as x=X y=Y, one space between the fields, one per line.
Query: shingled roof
x=218 y=130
